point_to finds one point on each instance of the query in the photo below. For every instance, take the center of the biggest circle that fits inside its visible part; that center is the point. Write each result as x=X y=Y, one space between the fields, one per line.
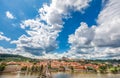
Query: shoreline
x=24 y=72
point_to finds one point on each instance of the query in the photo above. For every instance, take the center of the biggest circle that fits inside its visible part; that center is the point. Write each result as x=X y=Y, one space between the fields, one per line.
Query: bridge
x=45 y=73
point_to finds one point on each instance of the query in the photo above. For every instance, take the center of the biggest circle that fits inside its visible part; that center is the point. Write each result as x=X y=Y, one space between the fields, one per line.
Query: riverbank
x=59 y=75
x=64 y=66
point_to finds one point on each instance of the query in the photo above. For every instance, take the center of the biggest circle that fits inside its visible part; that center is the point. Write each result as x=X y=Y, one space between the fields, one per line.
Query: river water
x=58 y=75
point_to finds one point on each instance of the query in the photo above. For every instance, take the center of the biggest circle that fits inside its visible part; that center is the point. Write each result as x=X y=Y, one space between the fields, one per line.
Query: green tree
x=41 y=68
x=113 y=69
x=71 y=68
x=2 y=66
x=33 y=68
x=103 y=69
x=91 y=69
x=63 y=68
x=24 y=68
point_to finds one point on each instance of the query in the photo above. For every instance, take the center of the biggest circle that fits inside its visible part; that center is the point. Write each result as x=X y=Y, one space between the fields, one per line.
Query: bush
x=24 y=68
x=113 y=70
x=2 y=66
x=71 y=68
x=103 y=69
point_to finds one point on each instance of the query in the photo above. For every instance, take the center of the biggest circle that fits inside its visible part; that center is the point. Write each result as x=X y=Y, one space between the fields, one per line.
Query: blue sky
x=29 y=9
x=59 y=27
x=22 y=10
x=89 y=17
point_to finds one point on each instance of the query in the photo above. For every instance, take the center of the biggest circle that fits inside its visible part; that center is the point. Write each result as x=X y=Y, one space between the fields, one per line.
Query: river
x=58 y=75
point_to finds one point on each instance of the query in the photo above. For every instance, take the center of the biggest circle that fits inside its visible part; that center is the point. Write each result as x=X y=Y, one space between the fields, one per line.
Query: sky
x=81 y=29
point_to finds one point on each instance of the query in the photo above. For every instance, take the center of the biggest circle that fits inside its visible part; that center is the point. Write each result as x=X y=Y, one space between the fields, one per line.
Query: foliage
x=2 y=66
x=91 y=69
x=10 y=57
x=114 y=69
x=71 y=68
x=62 y=68
x=24 y=68
x=103 y=69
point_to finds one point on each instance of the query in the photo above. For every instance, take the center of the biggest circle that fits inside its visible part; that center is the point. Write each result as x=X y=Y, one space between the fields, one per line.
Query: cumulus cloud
x=6 y=51
x=59 y=9
x=95 y=42
x=102 y=41
x=9 y=15
x=27 y=54
x=108 y=34
x=82 y=37
x=41 y=39
x=16 y=52
x=42 y=32
x=94 y=53
x=80 y=41
x=2 y=37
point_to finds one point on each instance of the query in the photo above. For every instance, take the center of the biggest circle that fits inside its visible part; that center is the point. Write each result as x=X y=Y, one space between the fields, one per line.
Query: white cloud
x=27 y=54
x=9 y=15
x=2 y=37
x=80 y=41
x=16 y=52
x=82 y=37
x=44 y=30
x=103 y=41
x=100 y=42
x=6 y=51
x=41 y=39
x=59 y=9
x=108 y=33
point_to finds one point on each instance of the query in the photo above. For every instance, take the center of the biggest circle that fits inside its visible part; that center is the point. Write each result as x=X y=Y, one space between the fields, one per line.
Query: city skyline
x=86 y=29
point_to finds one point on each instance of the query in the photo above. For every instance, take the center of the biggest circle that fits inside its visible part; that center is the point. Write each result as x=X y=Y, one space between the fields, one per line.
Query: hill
x=11 y=57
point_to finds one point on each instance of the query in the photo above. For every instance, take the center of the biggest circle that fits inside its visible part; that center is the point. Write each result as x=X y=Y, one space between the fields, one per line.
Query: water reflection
x=58 y=75
x=62 y=75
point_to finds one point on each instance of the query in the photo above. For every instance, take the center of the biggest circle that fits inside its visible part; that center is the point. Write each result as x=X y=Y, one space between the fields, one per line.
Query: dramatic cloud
x=108 y=33
x=41 y=38
x=59 y=9
x=6 y=51
x=82 y=37
x=9 y=15
x=102 y=41
x=2 y=37
x=42 y=32
x=89 y=42
x=16 y=52
x=80 y=42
